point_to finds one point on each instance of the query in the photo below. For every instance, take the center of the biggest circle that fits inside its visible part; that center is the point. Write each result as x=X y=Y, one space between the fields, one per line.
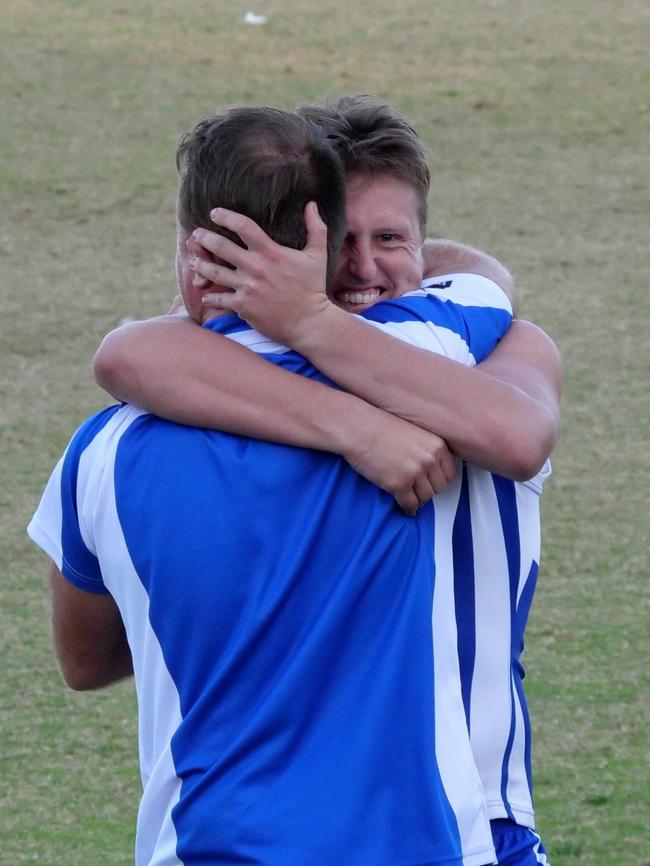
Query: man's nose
x=362 y=263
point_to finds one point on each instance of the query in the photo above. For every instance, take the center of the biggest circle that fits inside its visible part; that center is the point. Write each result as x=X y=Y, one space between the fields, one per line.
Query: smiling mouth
x=358 y=297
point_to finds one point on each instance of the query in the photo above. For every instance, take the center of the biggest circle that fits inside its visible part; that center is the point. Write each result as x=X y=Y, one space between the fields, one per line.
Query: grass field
x=538 y=120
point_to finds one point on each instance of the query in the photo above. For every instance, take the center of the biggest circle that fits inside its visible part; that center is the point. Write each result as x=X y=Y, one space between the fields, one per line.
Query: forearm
x=484 y=417
x=85 y=674
x=481 y=416
x=89 y=636
x=206 y=380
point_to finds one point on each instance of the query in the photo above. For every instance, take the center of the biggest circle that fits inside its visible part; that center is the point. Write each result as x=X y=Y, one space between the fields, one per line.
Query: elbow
x=523 y=464
x=85 y=670
x=80 y=677
x=110 y=367
x=85 y=675
x=527 y=450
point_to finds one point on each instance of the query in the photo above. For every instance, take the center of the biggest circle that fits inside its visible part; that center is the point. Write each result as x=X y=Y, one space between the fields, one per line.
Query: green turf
x=537 y=117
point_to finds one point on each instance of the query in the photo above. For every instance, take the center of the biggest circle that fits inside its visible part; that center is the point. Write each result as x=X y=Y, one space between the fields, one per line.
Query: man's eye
x=387 y=237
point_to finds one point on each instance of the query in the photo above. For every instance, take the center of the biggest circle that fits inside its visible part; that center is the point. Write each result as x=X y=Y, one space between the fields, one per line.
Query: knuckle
x=212 y=245
x=237 y=223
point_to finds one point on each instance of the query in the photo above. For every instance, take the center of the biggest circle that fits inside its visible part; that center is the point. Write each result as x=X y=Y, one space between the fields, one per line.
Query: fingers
x=410 y=499
x=210 y=272
x=221 y=300
x=437 y=479
x=427 y=485
x=449 y=466
x=424 y=489
x=252 y=235
x=195 y=249
x=439 y=475
x=316 y=229
x=221 y=247
x=407 y=501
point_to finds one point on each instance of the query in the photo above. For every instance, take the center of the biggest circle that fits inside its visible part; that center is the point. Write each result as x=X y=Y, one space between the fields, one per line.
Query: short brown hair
x=371 y=138
x=266 y=164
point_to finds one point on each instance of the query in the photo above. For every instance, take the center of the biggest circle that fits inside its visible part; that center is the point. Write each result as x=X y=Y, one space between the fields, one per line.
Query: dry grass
x=537 y=118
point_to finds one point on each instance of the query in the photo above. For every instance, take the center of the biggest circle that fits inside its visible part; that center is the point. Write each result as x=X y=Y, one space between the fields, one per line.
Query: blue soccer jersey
x=278 y=608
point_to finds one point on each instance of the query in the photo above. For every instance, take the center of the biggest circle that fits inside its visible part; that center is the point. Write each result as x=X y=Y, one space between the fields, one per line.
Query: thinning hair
x=371 y=139
x=266 y=164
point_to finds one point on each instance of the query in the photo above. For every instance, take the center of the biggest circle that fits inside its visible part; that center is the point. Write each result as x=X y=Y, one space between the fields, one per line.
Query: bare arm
x=177 y=370
x=527 y=359
x=503 y=415
x=483 y=415
x=89 y=637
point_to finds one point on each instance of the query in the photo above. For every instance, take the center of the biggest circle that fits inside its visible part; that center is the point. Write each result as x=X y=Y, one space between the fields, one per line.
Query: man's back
x=278 y=608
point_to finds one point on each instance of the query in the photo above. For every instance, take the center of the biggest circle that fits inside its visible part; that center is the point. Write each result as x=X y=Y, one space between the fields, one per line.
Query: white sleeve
x=461 y=316
x=467 y=290
x=45 y=527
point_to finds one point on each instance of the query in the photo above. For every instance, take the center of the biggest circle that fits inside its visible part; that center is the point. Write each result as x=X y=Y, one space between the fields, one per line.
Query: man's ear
x=194 y=249
x=191 y=294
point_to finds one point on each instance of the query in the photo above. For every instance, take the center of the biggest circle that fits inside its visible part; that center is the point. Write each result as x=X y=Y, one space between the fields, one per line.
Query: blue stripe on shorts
x=516 y=845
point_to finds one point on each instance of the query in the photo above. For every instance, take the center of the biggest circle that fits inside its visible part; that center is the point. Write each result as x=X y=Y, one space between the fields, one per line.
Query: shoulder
x=466 y=289
x=441 y=297
x=96 y=434
x=469 y=309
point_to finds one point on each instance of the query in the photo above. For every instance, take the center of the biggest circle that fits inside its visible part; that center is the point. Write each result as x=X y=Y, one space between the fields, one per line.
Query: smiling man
x=381 y=257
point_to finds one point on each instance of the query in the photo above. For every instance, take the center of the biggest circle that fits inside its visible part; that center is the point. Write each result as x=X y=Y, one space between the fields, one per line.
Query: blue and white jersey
x=279 y=612
x=488 y=540
x=465 y=312
x=496 y=553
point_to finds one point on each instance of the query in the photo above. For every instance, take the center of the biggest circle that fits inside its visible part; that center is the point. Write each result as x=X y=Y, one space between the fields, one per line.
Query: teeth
x=366 y=297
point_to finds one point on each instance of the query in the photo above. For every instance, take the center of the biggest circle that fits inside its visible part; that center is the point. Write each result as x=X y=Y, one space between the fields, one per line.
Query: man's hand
x=274 y=288
x=404 y=460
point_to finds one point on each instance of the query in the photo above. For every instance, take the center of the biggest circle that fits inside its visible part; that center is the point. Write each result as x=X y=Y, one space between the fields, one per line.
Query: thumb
x=316 y=229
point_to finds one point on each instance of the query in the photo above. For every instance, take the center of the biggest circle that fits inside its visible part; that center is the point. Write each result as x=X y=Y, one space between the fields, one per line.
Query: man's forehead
x=384 y=200
x=380 y=186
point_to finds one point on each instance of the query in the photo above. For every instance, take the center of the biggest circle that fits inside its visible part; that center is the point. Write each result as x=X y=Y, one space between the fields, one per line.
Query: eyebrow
x=400 y=228
x=403 y=228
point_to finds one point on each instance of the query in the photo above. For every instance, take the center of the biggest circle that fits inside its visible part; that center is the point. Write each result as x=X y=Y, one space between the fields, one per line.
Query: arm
x=503 y=415
x=483 y=415
x=89 y=637
x=528 y=360
x=179 y=371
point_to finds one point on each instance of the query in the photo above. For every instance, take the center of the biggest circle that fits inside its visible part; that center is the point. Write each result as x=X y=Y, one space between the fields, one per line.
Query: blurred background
x=537 y=120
